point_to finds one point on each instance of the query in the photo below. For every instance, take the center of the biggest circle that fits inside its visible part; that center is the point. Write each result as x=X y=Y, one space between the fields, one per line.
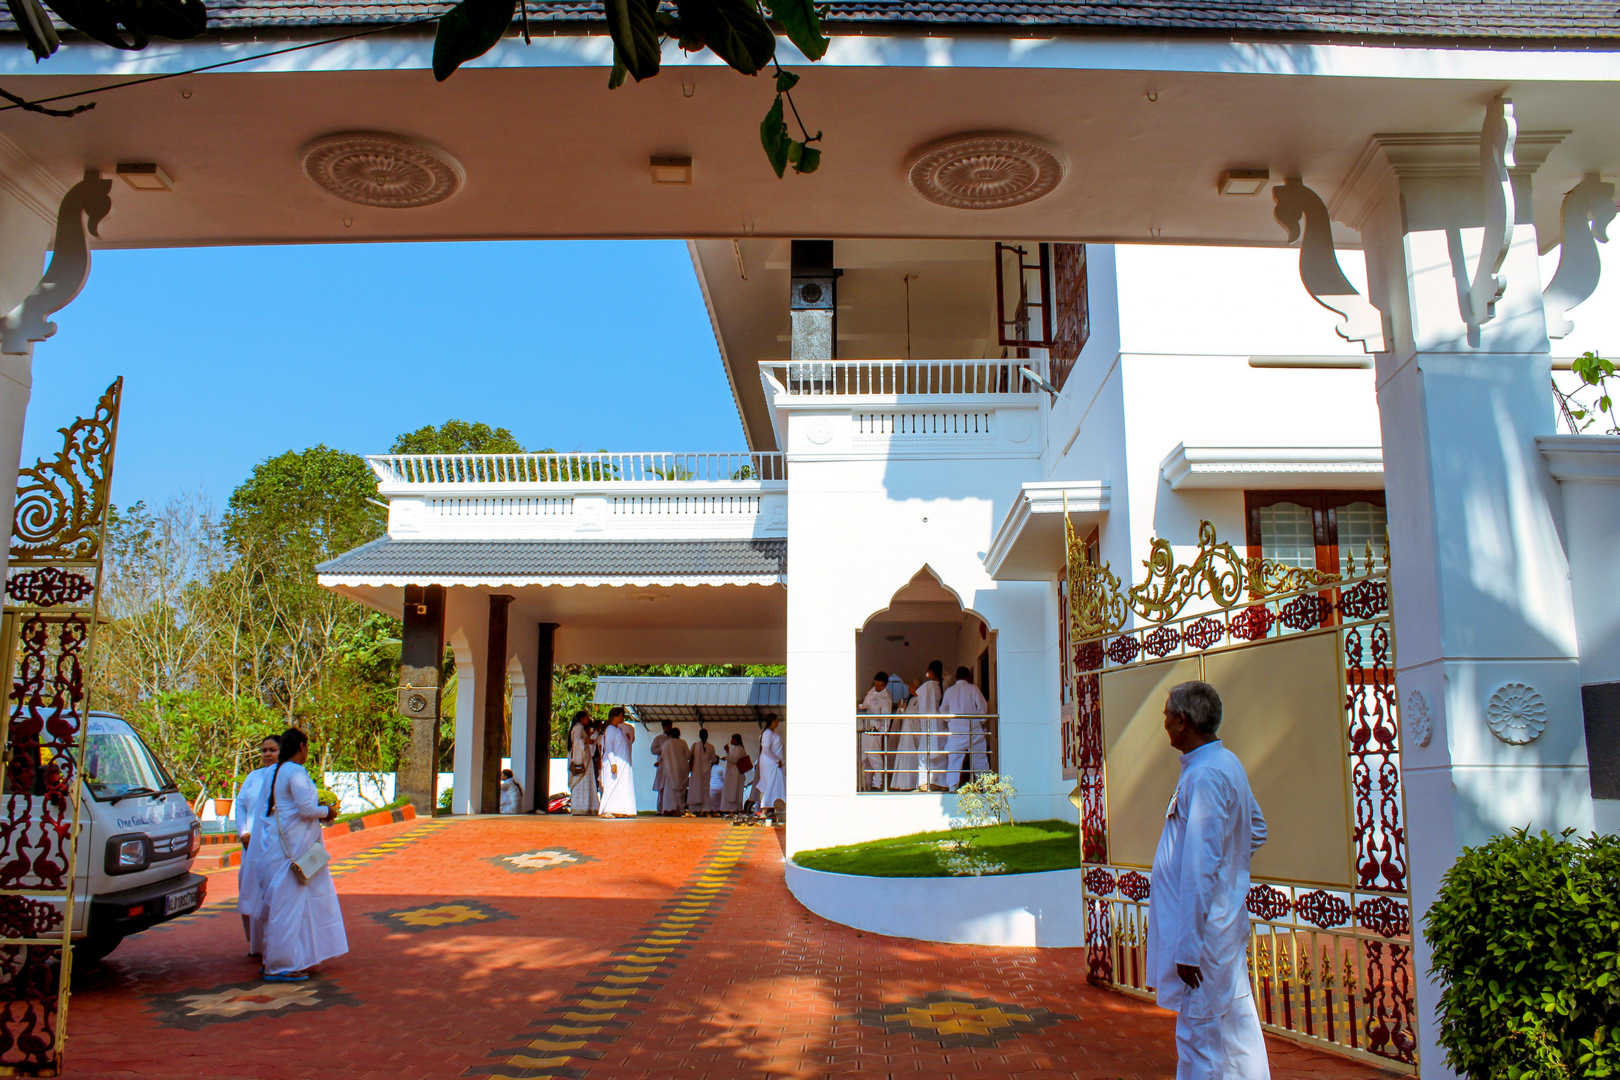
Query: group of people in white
x=925 y=737
x=690 y=778
x=289 y=907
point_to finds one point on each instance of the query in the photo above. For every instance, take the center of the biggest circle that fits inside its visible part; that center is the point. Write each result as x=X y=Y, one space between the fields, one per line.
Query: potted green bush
x=1526 y=939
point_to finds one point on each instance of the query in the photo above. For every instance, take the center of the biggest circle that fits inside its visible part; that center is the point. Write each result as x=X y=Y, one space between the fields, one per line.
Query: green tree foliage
x=1526 y=938
x=457 y=437
x=305 y=505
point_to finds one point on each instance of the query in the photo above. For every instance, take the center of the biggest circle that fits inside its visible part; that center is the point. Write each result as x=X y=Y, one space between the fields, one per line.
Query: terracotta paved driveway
x=580 y=949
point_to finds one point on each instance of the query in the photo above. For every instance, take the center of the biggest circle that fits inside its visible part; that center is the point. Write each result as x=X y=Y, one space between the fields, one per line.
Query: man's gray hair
x=1198 y=704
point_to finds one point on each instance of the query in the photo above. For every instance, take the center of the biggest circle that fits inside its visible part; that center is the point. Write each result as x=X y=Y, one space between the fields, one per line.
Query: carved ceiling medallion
x=984 y=171
x=375 y=168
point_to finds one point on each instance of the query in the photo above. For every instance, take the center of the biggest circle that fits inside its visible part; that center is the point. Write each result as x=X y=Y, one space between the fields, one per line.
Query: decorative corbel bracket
x=1588 y=210
x=83 y=208
x=1497 y=137
x=1319 y=268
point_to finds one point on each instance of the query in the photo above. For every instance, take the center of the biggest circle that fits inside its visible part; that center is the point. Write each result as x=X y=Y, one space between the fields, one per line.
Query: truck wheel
x=91 y=949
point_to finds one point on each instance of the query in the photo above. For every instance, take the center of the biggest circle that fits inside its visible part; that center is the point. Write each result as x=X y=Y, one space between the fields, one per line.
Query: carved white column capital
x=1392 y=157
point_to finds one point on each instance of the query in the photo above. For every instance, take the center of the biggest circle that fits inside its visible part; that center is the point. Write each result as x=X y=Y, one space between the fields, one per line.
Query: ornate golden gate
x=1304 y=664
x=47 y=634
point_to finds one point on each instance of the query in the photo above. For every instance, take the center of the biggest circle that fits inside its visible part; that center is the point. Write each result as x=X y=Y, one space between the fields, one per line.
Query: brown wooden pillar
x=421 y=663
x=540 y=742
x=494 y=705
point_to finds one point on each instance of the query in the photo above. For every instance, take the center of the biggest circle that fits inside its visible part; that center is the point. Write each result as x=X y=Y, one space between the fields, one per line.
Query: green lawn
x=1024 y=847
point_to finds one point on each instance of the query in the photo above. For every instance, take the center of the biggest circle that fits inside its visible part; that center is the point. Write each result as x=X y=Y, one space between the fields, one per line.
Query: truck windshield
x=117 y=762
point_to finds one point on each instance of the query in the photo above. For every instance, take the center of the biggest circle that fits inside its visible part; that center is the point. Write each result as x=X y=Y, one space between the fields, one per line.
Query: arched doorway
x=909 y=751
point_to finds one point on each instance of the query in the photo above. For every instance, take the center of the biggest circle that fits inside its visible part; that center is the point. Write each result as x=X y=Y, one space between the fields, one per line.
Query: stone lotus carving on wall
x=984 y=170
x=1516 y=713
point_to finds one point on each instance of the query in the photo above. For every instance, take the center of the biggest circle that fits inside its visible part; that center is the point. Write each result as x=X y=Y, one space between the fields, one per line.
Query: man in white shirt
x=1198 y=925
x=875 y=707
x=966 y=740
x=931 y=733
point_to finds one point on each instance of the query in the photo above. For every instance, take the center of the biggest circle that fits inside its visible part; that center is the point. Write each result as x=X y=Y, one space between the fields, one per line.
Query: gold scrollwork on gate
x=1100 y=605
x=62 y=501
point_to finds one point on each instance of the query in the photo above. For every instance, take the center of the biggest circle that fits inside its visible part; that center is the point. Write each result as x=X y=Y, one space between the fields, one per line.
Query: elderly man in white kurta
x=875 y=709
x=965 y=744
x=618 y=786
x=1198 y=926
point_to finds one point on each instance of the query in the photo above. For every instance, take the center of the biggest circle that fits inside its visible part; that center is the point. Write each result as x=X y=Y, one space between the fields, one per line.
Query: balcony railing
x=575 y=470
x=948 y=750
x=893 y=378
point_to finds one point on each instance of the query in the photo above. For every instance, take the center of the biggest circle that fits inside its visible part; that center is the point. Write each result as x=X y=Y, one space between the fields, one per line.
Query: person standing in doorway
x=250 y=803
x=697 y=788
x=618 y=785
x=931 y=733
x=875 y=707
x=581 y=767
x=966 y=706
x=772 y=785
x=1198 y=926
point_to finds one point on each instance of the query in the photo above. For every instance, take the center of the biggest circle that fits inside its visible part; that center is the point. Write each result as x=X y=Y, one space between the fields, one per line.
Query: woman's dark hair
x=583 y=714
x=703 y=734
x=272 y=737
x=292 y=740
x=736 y=738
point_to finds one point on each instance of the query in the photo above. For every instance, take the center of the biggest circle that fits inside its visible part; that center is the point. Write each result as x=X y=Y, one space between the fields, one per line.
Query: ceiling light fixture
x=1244 y=181
x=670 y=168
x=144 y=176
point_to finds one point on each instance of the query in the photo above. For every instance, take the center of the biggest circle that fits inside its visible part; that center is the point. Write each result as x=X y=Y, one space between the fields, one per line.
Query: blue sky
x=231 y=355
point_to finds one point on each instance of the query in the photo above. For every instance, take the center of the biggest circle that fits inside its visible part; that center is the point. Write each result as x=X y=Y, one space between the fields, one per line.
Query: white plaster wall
x=1013 y=910
x=862 y=523
x=27 y=233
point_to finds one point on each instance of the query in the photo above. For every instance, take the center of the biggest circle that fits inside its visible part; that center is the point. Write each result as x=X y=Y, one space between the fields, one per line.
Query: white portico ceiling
x=1147 y=127
x=1031 y=544
x=1273 y=467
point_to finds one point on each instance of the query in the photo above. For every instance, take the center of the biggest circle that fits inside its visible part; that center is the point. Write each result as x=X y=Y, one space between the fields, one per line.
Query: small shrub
x=986 y=799
x=1526 y=936
x=444 y=798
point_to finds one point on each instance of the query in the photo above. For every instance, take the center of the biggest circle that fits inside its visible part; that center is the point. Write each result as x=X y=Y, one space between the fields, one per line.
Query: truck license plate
x=184 y=900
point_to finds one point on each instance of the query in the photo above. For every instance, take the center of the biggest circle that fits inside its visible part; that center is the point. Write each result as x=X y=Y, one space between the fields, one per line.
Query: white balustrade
x=575 y=470
x=895 y=378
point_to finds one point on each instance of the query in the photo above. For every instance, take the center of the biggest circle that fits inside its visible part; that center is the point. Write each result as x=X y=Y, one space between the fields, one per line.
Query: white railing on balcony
x=885 y=378
x=577 y=469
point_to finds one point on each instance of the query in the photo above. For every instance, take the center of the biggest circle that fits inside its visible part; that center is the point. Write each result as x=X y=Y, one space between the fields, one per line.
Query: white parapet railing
x=399 y=471
x=896 y=378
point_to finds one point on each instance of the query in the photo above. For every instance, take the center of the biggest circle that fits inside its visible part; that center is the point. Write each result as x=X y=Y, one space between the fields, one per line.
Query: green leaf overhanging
x=734 y=29
x=467 y=31
x=773 y=135
x=802 y=25
x=633 y=26
x=35 y=27
x=131 y=24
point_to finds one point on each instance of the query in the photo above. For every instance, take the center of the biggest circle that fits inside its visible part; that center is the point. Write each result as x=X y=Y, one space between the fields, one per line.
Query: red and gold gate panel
x=47 y=634
x=1304 y=662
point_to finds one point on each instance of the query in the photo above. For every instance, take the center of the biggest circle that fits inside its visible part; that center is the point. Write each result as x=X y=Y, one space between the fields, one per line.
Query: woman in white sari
x=581 y=774
x=772 y=782
x=250 y=802
x=909 y=745
x=731 y=794
x=303 y=924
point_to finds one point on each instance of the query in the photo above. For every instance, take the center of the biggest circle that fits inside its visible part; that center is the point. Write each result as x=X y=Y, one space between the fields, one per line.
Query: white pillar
x=1483 y=611
x=467 y=631
x=523 y=643
x=28 y=202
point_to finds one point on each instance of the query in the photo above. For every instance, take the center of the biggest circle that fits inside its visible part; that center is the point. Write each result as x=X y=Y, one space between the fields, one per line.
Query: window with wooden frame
x=1312 y=529
x=1024 y=296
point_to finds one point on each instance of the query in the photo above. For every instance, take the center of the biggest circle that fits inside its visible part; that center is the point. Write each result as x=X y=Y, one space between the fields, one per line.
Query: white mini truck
x=137 y=839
